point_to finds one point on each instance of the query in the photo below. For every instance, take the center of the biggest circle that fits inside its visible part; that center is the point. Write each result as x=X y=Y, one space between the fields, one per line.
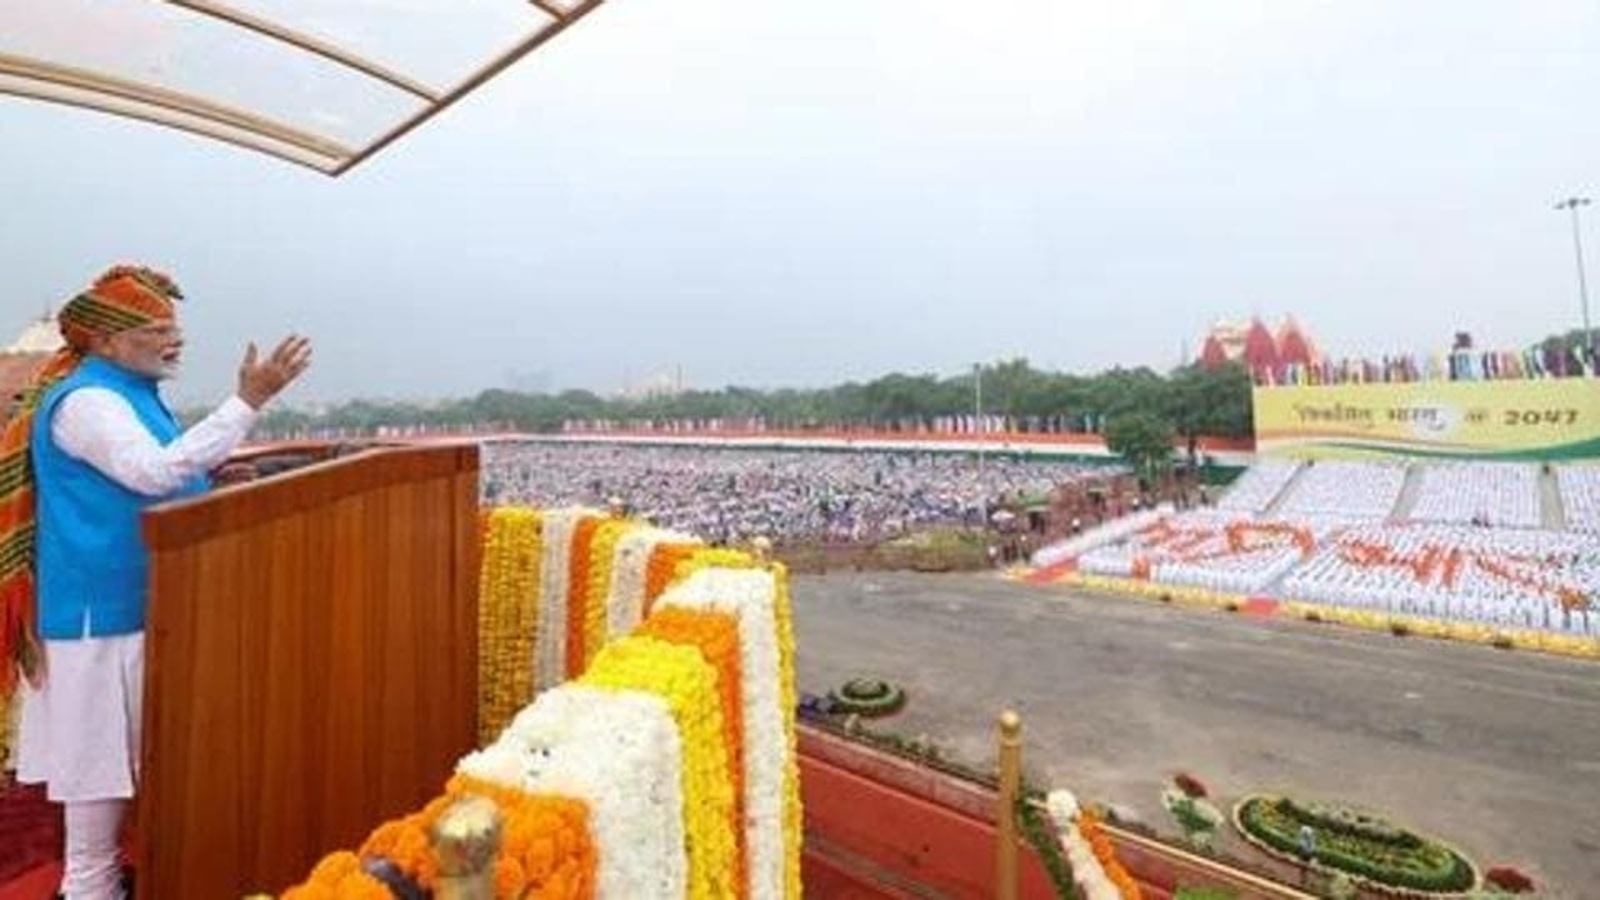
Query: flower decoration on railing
x=1095 y=867
x=664 y=767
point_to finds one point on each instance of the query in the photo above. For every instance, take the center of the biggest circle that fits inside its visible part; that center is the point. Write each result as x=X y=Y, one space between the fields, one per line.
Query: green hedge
x=1343 y=820
x=1349 y=842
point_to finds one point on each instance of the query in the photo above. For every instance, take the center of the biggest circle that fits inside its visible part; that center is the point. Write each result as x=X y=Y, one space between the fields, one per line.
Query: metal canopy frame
x=53 y=82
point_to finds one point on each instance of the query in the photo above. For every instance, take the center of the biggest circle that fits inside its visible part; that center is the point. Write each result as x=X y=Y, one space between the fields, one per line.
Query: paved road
x=1498 y=752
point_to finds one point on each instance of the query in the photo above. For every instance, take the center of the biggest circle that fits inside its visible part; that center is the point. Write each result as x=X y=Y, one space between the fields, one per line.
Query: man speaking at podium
x=91 y=447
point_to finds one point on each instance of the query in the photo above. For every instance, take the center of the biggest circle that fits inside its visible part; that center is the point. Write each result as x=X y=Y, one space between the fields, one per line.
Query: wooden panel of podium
x=311 y=664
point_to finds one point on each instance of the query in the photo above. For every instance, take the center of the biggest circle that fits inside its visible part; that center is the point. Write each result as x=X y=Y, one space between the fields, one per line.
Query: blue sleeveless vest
x=92 y=566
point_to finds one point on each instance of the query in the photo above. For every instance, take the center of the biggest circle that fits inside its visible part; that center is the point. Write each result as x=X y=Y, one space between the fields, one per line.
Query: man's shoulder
x=85 y=405
x=84 y=377
x=80 y=393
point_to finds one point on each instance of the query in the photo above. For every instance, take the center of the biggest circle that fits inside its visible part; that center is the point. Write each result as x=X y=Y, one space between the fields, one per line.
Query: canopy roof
x=322 y=83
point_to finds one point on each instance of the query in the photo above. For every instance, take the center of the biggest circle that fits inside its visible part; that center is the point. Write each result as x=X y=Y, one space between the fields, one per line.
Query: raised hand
x=262 y=379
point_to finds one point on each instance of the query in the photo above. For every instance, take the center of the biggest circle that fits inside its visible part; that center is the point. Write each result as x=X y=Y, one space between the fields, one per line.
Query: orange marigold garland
x=691 y=658
x=339 y=877
x=716 y=636
x=712 y=558
x=548 y=837
x=578 y=599
x=405 y=843
x=662 y=569
x=1089 y=826
x=545 y=850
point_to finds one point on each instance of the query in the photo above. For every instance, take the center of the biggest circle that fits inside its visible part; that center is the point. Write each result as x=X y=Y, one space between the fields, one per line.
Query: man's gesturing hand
x=260 y=381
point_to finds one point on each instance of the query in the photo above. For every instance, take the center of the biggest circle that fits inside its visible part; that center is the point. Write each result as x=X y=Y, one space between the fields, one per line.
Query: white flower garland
x=630 y=570
x=554 y=586
x=1086 y=869
x=625 y=596
x=750 y=596
x=621 y=753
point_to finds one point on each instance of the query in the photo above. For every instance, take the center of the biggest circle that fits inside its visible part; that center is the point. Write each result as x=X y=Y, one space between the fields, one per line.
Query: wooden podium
x=311 y=665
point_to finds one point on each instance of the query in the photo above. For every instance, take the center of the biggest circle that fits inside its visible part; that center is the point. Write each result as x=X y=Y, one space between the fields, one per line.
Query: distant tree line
x=1189 y=402
x=1141 y=413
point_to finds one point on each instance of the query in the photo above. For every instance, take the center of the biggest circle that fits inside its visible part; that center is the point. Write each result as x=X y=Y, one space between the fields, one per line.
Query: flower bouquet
x=1185 y=797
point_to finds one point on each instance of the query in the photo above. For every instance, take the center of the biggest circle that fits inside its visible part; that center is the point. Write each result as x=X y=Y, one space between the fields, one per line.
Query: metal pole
x=1005 y=877
x=466 y=839
x=1573 y=204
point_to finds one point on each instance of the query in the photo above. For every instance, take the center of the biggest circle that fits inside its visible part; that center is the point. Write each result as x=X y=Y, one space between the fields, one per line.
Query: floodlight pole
x=1573 y=204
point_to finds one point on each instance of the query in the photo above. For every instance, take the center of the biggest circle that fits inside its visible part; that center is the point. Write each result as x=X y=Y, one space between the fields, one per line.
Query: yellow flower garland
x=792 y=834
x=547 y=851
x=712 y=558
x=602 y=559
x=682 y=677
x=716 y=636
x=508 y=611
x=527 y=649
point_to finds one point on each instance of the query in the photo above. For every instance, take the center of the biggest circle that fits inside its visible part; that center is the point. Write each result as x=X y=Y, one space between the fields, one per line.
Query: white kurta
x=80 y=732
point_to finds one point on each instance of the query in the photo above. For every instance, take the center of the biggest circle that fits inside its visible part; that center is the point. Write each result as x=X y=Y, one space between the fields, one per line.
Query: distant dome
x=1292 y=348
x=1260 y=349
x=1213 y=355
x=41 y=336
x=1258 y=346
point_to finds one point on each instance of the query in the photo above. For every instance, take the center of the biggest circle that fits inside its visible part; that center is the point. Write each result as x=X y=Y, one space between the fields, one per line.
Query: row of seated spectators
x=1261 y=484
x=1471 y=548
x=1353 y=490
x=735 y=495
x=1525 y=578
x=1470 y=493
x=1212 y=549
x=1480 y=493
x=1580 y=497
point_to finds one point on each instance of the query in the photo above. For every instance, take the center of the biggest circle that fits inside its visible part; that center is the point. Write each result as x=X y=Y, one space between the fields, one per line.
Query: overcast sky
x=783 y=193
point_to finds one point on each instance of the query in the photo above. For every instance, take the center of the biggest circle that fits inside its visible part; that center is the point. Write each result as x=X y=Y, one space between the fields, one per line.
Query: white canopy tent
x=322 y=83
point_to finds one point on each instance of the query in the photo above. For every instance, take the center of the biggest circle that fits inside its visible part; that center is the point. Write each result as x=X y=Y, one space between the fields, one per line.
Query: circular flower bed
x=867 y=697
x=1374 y=852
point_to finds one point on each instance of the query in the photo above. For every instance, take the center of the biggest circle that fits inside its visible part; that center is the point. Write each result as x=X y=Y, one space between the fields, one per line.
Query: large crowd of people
x=1259 y=486
x=1527 y=578
x=1355 y=490
x=735 y=495
x=1580 y=497
x=1475 y=543
x=1480 y=493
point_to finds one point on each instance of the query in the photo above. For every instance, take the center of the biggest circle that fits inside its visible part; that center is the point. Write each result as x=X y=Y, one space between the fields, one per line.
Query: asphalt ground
x=1497 y=752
